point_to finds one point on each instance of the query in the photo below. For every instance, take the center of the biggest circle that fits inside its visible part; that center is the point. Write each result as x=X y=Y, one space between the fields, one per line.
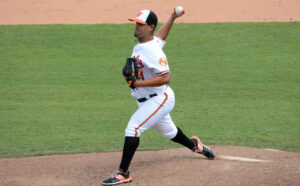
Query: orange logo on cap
x=163 y=62
x=139 y=14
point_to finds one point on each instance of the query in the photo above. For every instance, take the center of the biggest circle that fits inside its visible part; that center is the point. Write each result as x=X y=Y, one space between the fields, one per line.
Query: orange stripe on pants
x=136 y=132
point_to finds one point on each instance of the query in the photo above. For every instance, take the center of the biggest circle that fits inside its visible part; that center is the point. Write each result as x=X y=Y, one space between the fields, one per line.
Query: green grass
x=61 y=88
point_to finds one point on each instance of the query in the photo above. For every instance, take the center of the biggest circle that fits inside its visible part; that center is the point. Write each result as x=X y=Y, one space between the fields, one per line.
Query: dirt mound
x=232 y=166
x=118 y=11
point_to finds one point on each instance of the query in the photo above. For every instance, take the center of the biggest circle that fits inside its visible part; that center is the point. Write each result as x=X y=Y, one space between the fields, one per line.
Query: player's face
x=142 y=30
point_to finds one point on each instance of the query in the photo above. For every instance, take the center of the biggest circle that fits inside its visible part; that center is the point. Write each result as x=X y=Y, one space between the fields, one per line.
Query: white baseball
x=178 y=10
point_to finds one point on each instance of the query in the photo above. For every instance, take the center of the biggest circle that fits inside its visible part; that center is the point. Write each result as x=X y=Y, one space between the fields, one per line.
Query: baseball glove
x=130 y=71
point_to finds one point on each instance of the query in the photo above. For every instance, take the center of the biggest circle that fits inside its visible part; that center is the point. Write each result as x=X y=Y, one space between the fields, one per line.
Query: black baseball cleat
x=202 y=149
x=118 y=177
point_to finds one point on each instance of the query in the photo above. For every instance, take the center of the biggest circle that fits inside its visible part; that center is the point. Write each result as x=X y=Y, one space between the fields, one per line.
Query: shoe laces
x=118 y=172
x=115 y=173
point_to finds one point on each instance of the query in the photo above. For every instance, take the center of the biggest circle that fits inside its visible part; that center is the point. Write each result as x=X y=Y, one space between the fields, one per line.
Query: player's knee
x=170 y=135
x=130 y=132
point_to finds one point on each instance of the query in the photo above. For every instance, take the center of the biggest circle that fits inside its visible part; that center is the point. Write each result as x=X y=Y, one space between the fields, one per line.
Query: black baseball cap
x=145 y=17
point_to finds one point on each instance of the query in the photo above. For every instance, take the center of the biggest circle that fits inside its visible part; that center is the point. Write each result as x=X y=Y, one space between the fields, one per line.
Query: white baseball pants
x=154 y=113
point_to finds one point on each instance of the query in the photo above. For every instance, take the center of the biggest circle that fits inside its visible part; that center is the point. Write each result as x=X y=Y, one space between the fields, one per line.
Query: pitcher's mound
x=232 y=166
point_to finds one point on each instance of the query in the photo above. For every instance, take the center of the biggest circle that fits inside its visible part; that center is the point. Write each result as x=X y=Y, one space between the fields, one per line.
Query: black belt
x=145 y=99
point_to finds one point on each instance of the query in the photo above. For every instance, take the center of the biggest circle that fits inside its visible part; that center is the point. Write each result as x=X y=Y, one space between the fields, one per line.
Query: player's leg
x=149 y=113
x=122 y=175
x=168 y=129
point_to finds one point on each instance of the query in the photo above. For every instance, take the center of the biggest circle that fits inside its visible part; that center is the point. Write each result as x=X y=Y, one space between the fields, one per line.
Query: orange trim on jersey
x=137 y=20
x=136 y=132
x=163 y=72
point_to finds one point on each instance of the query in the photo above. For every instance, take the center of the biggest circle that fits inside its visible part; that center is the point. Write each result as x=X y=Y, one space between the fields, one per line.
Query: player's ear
x=152 y=28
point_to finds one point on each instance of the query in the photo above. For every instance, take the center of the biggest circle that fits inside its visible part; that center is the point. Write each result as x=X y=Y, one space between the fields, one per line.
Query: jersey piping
x=136 y=129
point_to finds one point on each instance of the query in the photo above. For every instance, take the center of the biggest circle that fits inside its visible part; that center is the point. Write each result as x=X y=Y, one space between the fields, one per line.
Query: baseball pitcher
x=147 y=73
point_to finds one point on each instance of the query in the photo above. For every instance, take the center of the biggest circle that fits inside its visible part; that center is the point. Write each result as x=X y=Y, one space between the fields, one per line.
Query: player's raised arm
x=164 y=30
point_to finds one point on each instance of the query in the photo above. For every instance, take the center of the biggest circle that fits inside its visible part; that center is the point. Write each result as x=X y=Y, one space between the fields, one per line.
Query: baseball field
x=64 y=105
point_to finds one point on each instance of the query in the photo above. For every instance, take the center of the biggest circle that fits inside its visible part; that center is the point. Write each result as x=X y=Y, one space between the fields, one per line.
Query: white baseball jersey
x=155 y=111
x=153 y=62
